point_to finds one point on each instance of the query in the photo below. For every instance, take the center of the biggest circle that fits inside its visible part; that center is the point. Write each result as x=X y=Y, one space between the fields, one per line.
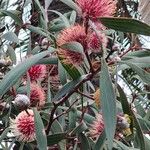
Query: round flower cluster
x=122 y=126
x=94 y=9
x=90 y=42
x=23 y=126
x=37 y=72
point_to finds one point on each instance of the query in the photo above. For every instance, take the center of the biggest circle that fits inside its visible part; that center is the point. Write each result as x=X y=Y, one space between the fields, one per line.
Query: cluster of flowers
x=23 y=125
x=122 y=126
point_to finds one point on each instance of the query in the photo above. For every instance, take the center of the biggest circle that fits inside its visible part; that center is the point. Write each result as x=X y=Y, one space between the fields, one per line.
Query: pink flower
x=37 y=95
x=98 y=126
x=70 y=57
x=23 y=126
x=74 y=33
x=37 y=72
x=95 y=42
x=93 y=9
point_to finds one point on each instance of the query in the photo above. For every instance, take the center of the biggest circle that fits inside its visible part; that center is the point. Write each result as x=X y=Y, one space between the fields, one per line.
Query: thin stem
x=85 y=95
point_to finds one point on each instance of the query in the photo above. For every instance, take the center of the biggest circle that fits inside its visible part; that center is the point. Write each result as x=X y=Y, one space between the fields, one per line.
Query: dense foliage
x=73 y=75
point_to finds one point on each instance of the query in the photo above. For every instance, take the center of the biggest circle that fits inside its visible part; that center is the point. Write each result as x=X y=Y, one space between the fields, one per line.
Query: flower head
x=98 y=126
x=95 y=42
x=123 y=124
x=97 y=97
x=74 y=33
x=23 y=126
x=70 y=57
x=37 y=72
x=37 y=95
x=94 y=9
x=22 y=100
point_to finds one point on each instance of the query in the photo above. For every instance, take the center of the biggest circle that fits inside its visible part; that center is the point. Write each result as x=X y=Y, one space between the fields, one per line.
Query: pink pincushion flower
x=73 y=33
x=37 y=72
x=93 y=9
x=23 y=126
x=70 y=57
x=98 y=126
x=96 y=41
x=37 y=95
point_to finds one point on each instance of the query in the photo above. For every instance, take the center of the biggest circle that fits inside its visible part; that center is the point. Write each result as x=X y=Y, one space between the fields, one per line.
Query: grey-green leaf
x=4 y=134
x=108 y=100
x=10 y=36
x=126 y=25
x=13 y=14
x=40 y=131
x=145 y=76
x=12 y=76
x=55 y=138
x=11 y=53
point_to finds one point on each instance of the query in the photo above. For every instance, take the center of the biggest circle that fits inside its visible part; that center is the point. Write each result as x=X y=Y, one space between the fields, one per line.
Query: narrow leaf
x=108 y=101
x=11 y=36
x=40 y=131
x=72 y=5
x=139 y=134
x=12 y=76
x=4 y=134
x=100 y=141
x=145 y=76
x=13 y=14
x=55 y=138
x=11 y=53
x=126 y=25
x=84 y=142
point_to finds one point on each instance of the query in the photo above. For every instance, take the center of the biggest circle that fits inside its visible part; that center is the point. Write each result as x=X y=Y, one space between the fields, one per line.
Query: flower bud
x=22 y=100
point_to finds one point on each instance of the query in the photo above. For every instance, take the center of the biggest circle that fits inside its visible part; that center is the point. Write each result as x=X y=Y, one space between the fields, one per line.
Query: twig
x=56 y=104
x=65 y=112
x=85 y=95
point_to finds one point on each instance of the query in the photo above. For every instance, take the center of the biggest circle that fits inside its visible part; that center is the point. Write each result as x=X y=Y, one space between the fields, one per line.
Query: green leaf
x=56 y=127
x=64 y=19
x=147 y=143
x=40 y=131
x=139 y=138
x=55 y=138
x=49 y=60
x=139 y=60
x=11 y=36
x=67 y=88
x=88 y=118
x=13 y=14
x=108 y=100
x=80 y=128
x=123 y=99
x=84 y=142
x=145 y=76
x=72 y=118
x=126 y=25
x=72 y=71
x=11 y=53
x=73 y=46
x=12 y=76
x=73 y=17
x=37 y=30
x=72 y=5
x=100 y=141
x=123 y=146
x=62 y=74
x=140 y=53
x=4 y=134
x=41 y=9
x=139 y=108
